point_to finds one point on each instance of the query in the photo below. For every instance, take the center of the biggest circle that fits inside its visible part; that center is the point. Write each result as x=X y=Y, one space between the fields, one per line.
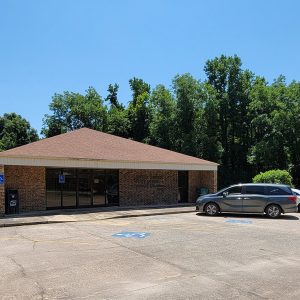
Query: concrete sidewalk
x=90 y=214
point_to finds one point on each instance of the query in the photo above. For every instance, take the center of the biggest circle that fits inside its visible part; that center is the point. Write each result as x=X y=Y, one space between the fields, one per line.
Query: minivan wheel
x=211 y=209
x=273 y=211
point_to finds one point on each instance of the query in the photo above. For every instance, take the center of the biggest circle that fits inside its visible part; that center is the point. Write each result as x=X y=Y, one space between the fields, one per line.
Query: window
x=275 y=191
x=254 y=189
x=234 y=190
x=82 y=187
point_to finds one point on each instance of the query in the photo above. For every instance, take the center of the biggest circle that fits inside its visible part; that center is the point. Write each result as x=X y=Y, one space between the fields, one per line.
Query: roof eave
x=105 y=164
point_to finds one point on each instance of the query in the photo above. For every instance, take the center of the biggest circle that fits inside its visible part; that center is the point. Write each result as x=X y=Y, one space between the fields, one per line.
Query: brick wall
x=136 y=187
x=201 y=179
x=31 y=184
x=148 y=187
x=2 y=194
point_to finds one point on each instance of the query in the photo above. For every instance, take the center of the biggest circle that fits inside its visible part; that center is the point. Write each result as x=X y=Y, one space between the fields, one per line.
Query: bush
x=274 y=176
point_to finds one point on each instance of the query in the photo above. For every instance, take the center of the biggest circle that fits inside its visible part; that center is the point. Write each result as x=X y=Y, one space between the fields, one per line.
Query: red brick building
x=85 y=168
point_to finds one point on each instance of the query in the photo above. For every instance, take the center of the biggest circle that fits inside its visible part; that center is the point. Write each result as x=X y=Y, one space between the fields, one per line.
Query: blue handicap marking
x=239 y=221
x=135 y=235
x=61 y=178
x=1 y=179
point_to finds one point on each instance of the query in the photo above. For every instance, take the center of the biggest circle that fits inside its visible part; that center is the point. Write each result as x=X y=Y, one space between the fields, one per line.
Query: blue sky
x=52 y=46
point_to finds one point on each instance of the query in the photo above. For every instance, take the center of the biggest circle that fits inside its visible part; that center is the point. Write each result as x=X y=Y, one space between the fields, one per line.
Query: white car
x=297 y=193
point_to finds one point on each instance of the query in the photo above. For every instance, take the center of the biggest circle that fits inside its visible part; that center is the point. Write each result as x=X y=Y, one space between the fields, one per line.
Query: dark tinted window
x=278 y=190
x=254 y=189
x=234 y=190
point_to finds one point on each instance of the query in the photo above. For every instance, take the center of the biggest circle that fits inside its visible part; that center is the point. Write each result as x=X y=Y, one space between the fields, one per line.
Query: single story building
x=86 y=168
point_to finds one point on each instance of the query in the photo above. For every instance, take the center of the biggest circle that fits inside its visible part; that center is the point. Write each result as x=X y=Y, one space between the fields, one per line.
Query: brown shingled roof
x=90 y=144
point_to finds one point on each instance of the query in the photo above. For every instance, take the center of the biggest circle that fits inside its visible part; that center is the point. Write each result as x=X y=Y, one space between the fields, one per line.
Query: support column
x=215 y=189
x=2 y=191
x=197 y=179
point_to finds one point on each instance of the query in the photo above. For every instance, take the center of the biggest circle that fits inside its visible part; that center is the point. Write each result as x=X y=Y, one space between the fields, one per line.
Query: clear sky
x=50 y=46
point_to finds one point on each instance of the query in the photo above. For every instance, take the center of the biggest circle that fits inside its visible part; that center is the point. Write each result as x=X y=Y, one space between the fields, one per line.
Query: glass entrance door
x=84 y=188
x=98 y=187
x=69 y=188
x=112 y=188
x=53 y=188
x=183 y=186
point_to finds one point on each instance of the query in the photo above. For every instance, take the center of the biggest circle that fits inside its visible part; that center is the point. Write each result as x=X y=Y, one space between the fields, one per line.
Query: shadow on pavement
x=255 y=216
x=90 y=210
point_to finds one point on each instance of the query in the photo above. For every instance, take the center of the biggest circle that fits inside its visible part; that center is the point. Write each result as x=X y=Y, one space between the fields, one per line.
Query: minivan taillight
x=292 y=198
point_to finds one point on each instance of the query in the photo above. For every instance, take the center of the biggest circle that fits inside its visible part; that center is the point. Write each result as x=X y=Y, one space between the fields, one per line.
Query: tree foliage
x=112 y=96
x=138 y=110
x=73 y=111
x=15 y=131
x=162 y=116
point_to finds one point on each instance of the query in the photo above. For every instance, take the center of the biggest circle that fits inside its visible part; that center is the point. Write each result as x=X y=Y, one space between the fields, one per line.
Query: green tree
x=231 y=87
x=138 y=87
x=268 y=113
x=211 y=145
x=118 y=122
x=112 y=96
x=138 y=110
x=162 y=116
x=117 y=116
x=189 y=107
x=291 y=127
x=73 y=111
x=15 y=131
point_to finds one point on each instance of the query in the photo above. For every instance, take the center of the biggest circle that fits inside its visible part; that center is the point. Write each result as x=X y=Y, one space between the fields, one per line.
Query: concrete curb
x=33 y=223
x=150 y=214
x=39 y=222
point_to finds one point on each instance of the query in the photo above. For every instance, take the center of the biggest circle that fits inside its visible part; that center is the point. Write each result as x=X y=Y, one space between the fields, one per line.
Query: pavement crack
x=21 y=268
x=41 y=291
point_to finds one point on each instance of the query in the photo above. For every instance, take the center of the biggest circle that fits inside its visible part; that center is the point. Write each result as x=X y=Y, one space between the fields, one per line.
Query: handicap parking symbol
x=135 y=235
x=1 y=179
x=239 y=221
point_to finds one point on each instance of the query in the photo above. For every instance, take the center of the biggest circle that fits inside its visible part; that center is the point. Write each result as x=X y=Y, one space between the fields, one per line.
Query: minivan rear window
x=254 y=189
x=274 y=190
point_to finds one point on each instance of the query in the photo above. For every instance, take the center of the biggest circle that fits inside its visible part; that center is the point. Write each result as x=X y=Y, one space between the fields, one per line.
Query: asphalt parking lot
x=182 y=256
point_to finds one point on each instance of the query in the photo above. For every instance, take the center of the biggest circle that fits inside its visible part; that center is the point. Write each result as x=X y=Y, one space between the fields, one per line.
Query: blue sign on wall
x=61 y=178
x=135 y=235
x=1 y=179
x=239 y=221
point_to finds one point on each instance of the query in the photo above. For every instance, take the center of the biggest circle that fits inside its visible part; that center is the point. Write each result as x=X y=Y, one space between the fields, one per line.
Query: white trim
x=103 y=164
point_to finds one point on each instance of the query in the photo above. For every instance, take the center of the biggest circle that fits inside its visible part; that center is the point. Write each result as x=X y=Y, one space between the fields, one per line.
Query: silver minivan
x=271 y=199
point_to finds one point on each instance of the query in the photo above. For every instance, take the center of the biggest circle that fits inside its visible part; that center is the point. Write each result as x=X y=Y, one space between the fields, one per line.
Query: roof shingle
x=90 y=144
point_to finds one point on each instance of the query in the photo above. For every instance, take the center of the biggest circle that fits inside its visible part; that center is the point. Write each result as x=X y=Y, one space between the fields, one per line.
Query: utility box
x=12 y=202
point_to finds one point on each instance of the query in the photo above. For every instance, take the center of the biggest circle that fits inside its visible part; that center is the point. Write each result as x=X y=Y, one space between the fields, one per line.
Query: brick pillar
x=2 y=193
x=215 y=189
x=202 y=179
